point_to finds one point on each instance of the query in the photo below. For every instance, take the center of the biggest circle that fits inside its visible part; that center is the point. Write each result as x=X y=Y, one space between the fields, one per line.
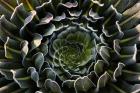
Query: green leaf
x=83 y=84
x=52 y=87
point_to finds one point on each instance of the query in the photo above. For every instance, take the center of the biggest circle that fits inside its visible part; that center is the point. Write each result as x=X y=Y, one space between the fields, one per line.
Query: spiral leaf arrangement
x=69 y=46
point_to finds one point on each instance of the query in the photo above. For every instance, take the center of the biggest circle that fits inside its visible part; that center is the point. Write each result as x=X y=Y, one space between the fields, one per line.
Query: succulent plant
x=69 y=46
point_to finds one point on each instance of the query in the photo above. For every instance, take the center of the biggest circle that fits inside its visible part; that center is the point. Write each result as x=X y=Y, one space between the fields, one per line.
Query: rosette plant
x=69 y=46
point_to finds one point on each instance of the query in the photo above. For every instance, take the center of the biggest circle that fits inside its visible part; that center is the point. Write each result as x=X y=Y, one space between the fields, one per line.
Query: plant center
x=72 y=50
